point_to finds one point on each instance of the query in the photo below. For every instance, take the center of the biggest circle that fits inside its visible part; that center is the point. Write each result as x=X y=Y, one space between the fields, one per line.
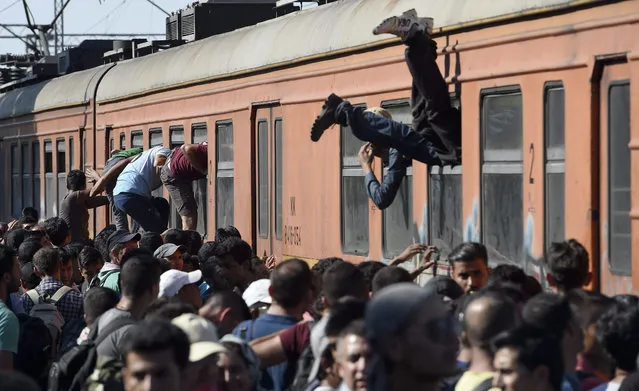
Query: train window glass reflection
x=122 y=141
x=112 y=145
x=137 y=140
x=27 y=179
x=279 y=152
x=502 y=175
x=554 y=135
x=445 y=208
x=61 y=170
x=354 y=200
x=16 y=199
x=35 y=156
x=397 y=219
x=49 y=198
x=155 y=139
x=176 y=139
x=619 y=179
x=200 y=187
x=224 y=186
x=71 y=154
x=262 y=177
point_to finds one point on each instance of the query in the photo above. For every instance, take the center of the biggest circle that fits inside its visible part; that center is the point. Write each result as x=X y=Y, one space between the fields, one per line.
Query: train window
x=354 y=200
x=84 y=149
x=554 y=134
x=71 y=154
x=279 y=152
x=262 y=174
x=397 y=219
x=155 y=137
x=62 y=175
x=49 y=199
x=112 y=145
x=176 y=138
x=502 y=174
x=619 y=178
x=445 y=208
x=35 y=156
x=137 y=139
x=198 y=135
x=224 y=187
x=16 y=199
x=122 y=141
x=27 y=179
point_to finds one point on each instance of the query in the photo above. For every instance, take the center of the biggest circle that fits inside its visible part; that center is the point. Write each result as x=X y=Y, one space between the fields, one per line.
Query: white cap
x=171 y=281
x=202 y=335
x=258 y=292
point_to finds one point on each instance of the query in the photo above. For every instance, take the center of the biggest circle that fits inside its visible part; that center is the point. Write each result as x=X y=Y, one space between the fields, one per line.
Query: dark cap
x=120 y=236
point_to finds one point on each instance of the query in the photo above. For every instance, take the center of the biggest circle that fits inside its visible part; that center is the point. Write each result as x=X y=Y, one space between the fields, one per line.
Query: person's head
x=47 y=262
x=29 y=216
x=507 y=273
x=341 y=280
x=183 y=285
x=155 y=354
x=174 y=236
x=207 y=251
x=257 y=268
x=225 y=310
x=626 y=300
x=97 y=301
x=66 y=266
x=618 y=333
x=193 y=242
x=369 y=270
x=173 y=253
x=151 y=241
x=257 y=297
x=352 y=356
x=227 y=232
x=239 y=366
x=28 y=277
x=552 y=313
x=191 y=262
x=446 y=287
x=215 y=276
x=76 y=180
x=228 y=269
x=532 y=287
x=91 y=261
x=469 y=263
x=119 y=243
x=389 y=276
x=17 y=381
x=527 y=359
x=169 y=308
x=140 y=280
x=9 y=271
x=38 y=234
x=101 y=241
x=234 y=247
x=57 y=230
x=410 y=330
x=14 y=238
x=512 y=291
x=292 y=286
x=27 y=250
x=567 y=264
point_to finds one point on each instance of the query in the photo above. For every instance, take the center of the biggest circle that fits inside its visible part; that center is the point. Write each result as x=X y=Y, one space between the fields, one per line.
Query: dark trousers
x=435 y=137
x=151 y=213
x=121 y=221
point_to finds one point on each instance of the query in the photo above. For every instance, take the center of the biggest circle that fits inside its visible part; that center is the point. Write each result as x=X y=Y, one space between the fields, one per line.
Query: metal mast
x=58 y=26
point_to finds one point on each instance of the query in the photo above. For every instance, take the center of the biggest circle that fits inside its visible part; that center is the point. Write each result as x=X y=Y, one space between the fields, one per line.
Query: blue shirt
x=570 y=383
x=140 y=176
x=279 y=377
x=384 y=194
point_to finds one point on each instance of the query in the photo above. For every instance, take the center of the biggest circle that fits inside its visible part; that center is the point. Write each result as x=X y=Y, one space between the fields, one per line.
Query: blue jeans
x=121 y=221
x=151 y=213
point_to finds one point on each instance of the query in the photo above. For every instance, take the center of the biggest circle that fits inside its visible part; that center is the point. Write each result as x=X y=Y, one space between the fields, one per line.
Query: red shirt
x=183 y=169
x=295 y=339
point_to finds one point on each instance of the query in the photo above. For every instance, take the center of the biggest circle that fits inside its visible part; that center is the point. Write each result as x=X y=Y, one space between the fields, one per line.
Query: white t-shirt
x=140 y=177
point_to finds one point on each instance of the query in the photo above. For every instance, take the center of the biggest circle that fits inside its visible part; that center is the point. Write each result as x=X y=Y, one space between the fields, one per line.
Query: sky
x=88 y=16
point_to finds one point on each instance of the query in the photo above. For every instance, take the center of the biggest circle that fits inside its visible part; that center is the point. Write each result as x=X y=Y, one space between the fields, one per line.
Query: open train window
x=122 y=141
x=502 y=174
x=16 y=199
x=27 y=176
x=397 y=219
x=619 y=178
x=279 y=155
x=555 y=159
x=354 y=200
x=61 y=170
x=49 y=199
x=35 y=159
x=137 y=140
x=445 y=208
x=155 y=137
x=176 y=139
x=200 y=187
x=262 y=175
x=224 y=187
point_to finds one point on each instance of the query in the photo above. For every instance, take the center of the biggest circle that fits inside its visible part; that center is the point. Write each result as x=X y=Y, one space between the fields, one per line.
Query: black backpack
x=73 y=369
x=34 y=348
x=304 y=366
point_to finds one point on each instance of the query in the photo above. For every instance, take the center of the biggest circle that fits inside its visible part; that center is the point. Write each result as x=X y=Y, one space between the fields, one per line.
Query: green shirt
x=9 y=329
x=127 y=153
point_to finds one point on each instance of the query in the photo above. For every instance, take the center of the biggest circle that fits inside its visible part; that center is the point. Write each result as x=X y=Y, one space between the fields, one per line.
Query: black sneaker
x=398 y=25
x=326 y=117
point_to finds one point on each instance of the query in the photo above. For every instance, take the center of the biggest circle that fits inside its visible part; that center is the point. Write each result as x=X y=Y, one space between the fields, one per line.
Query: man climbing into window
x=435 y=135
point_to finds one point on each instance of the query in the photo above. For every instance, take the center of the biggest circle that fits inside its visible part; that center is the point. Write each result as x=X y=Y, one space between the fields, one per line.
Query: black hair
x=207 y=251
x=76 y=180
x=7 y=256
x=14 y=238
x=175 y=236
x=618 y=333
x=29 y=278
x=17 y=381
x=135 y=252
x=388 y=276
x=532 y=286
x=168 y=308
x=356 y=327
x=347 y=310
x=548 y=311
x=227 y=232
x=231 y=300
x=324 y=264
x=630 y=382
x=370 y=269
x=567 y=264
x=97 y=301
x=29 y=215
x=499 y=314
x=47 y=261
x=513 y=291
x=468 y=252
x=36 y=234
x=150 y=241
x=341 y=280
x=587 y=307
x=165 y=264
x=291 y=280
x=156 y=336
x=90 y=256
x=101 y=241
x=238 y=249
x=258 y=268
x=446 y=286
x=507 y=273
x=193 y=241
x=534 y=349
x=192 y=260
x=27 y=250
x=65 y=256
x=139 y=275
x=57 y=230
x=214 y=275
x=626 y=300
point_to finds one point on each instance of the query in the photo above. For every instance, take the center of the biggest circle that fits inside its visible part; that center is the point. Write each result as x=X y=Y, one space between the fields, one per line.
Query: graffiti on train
x=293 y=235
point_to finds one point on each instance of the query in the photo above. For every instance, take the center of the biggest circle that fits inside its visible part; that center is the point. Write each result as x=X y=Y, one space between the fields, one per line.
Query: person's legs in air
x=182 y=197
x=143 y=210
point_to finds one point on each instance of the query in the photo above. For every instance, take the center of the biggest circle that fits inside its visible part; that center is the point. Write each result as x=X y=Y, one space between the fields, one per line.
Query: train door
x=615 y=179
x=267 y=200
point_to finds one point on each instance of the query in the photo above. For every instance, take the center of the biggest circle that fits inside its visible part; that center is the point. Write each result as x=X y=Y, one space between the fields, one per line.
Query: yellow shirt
x=470 y=380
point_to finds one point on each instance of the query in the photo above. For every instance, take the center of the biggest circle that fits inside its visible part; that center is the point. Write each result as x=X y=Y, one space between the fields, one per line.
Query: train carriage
x=548 y=142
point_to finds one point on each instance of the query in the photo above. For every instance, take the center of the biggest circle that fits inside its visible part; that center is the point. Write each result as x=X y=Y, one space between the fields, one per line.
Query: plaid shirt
x=70 y=306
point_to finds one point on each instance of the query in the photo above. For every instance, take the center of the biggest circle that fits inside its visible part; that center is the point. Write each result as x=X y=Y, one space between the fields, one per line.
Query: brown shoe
x=398 y=25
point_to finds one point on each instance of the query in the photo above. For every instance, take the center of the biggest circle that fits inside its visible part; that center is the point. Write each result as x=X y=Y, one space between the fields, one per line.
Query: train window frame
x=122 y=141
x=176 y=138
x=278 y=172
x=224 y=169
x=445 y=244
x=135 y=136
x=200 y=187
x=349 y=168
x=262 y=141
x=554 y=164
x=27 y=175
x=71 y=154
x=48 y=177
x=16 y=180
x=618 y=268
x=389 y=249
x=503 y=162
x=61 y=176
x=35 y=164
x=154 y=132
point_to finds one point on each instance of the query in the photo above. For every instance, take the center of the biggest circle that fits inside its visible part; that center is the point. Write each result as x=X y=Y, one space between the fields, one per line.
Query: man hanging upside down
x=435 y=136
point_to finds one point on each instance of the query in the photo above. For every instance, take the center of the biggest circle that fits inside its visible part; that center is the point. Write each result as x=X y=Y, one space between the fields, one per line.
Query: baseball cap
x=168 y=249
x=171 y=281
x=319 y=344
x=121 y=236
x=202 y=335
x=258 y=292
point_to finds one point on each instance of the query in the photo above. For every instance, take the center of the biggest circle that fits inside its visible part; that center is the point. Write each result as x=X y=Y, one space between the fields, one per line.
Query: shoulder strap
x=111 y=328
x=485 y=385
x=34 y=296
x=60 y=293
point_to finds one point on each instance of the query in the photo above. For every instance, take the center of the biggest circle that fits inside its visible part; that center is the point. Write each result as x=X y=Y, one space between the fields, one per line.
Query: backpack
x=34 y=348
x=45 y=308
x=76 y=366
x=304 y=366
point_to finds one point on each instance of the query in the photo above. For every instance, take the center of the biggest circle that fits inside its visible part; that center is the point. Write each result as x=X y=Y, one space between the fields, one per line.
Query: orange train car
x=544 y=87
